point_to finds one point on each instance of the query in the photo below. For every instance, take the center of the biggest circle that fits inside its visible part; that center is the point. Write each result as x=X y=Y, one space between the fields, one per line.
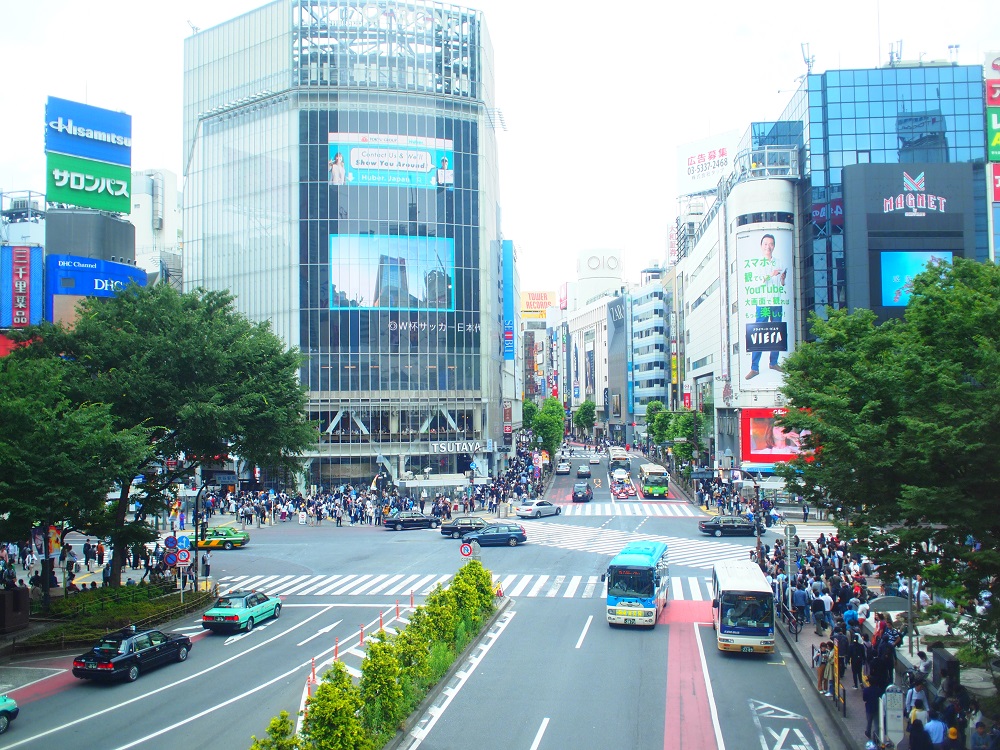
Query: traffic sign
x=183 y=542
x=790 y=529
x=466 y=550
x=702 y=474
x=183 y=557
x=170 y=542
x=170 y=559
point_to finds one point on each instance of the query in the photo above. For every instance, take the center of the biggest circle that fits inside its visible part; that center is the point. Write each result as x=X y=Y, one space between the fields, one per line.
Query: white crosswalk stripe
x=694 y=553
x=634 y=508
x=527 y=585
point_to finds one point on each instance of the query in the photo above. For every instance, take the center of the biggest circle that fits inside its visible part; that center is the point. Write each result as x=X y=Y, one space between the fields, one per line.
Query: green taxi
x=223 y=537
x=8 y=712
x=240 y=610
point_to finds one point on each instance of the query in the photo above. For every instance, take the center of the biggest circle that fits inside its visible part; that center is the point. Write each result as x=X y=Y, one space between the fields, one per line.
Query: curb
x=403 y=733
x=810 y=674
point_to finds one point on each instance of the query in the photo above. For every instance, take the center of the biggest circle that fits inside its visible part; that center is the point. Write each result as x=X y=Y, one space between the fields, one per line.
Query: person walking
x=206 y=563
x=805 y=513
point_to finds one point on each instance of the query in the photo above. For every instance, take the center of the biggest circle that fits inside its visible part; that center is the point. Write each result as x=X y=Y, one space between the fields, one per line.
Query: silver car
x=537 y=508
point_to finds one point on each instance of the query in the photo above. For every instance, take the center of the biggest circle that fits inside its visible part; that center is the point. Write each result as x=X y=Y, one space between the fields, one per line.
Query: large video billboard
x=898 y=269
x=391 y=160
x=384 y=272
x=71 y=278
x=763 y=441
x=764 y=293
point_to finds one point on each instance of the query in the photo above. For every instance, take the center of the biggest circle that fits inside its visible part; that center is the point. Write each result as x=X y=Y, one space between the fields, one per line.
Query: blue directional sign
x=183 y=542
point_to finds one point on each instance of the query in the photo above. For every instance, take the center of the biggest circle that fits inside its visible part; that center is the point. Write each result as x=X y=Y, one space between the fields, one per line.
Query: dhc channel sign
x=86 y=277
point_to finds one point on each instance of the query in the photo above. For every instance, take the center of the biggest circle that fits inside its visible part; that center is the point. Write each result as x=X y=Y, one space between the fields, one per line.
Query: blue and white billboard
x=70 y=278
x=898 y=270
x=392 y=160
x=88 y=132
x=508 y=300
x=384 y=272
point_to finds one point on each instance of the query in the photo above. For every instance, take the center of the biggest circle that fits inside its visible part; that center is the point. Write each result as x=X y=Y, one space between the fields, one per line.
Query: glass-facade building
x=907 y=114
x=341 y=181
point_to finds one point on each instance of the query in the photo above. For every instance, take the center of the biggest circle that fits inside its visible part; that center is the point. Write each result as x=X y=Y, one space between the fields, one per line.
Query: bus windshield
x=636 y=582
x=747 y=609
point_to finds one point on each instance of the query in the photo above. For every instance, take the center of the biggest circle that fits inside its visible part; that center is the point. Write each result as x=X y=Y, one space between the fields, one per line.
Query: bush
x=381 y=692
x=333 y=714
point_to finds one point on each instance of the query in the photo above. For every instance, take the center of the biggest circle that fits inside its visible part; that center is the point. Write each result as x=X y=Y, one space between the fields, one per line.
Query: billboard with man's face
x=766 y=316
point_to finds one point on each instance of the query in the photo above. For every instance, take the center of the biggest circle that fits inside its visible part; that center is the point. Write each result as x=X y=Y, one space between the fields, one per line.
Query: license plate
x=629 y=612
x=747 y=649
x=90 y=664
x=629 y=621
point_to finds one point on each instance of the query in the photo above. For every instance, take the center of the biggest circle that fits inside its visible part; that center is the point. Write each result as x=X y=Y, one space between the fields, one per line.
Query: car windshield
x=112 y=646
x=229 y=603
x=630 y=582
x=580 y=488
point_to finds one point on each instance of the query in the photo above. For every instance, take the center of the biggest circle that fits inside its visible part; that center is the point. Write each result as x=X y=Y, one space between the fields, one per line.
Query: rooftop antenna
x=807 y=58
x=895 y=53
x=194 y=29
x=953 y=52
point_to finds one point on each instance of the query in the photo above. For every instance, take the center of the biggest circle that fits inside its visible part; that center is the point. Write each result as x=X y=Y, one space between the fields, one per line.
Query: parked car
x=563 y=468
x=582 y=492
x=536 y=508
x=456 y=528
x=410 y=519
x=727 y=526
x=223 y=537
x=510 y=534
x=240 y=610
x=583 y=471
x=8 y=712
x=128 y=653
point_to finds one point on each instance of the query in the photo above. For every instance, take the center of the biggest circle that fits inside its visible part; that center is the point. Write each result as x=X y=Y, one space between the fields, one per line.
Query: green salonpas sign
x=88 y=184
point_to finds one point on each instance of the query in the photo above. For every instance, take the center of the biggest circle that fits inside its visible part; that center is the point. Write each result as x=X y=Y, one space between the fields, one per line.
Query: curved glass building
x=341 y=181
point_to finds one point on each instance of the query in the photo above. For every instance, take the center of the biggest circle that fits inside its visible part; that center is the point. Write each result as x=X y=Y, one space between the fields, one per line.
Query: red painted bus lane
x=689 y=720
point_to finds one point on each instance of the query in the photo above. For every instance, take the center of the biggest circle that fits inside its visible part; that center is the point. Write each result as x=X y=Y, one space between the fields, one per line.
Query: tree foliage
x=528 y=411
x=686 y=429
x=381 y=685
x=280 y=735
x=904 y=423
x=549 y=425
x=196 y=374
x=58 y=456
x=333 y=714
x=585 y=416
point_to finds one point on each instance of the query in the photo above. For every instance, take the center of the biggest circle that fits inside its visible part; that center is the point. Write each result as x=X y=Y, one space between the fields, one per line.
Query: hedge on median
x=396 y=674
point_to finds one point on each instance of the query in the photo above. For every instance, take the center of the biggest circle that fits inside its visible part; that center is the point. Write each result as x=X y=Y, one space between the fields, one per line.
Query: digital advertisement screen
x=391 y=160
x=764 y=440
x=379 y=272
x=764 y=290
x=898 y=270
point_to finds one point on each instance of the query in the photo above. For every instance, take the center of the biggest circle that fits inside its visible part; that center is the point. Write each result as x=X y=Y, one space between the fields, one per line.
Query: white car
x=563 y=468
x=537 y=508
x=595 y=460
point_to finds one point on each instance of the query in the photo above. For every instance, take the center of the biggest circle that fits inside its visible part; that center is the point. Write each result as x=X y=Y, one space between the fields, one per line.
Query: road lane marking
x=574 y=584
x=385 y=584
x=337 y=591
x=695 y=589
x=321 y=631
x=538 y=586
x=181 y=681
x=556 y=585
x=520 y=586
x=538 y=735
x=721 y=743
x=322 y=582
x=588 y=590
x=583 y=635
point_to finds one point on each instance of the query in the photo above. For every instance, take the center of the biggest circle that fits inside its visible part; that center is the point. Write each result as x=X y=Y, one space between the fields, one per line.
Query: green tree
x=58 y=457
x=280 y=735
x=653 y=408
x=904 y=422
x=381 y=688
x=202 y=378
x=686 y=429
x=585 y=416
x=333 y=714
x=528 y=411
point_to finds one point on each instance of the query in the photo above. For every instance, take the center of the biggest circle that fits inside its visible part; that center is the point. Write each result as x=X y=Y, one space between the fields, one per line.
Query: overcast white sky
x=596 y=96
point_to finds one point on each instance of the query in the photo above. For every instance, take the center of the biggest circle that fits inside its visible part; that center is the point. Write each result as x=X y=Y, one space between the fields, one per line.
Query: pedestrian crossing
x=633 y=508
x=514 y=585
x=691 y=553
x=807 y=532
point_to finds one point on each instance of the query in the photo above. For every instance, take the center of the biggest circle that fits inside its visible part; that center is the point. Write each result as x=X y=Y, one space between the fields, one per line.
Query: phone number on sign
x=708 y=166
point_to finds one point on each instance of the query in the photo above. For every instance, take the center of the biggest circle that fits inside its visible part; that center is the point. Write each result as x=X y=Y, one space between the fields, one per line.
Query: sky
x=597 y=97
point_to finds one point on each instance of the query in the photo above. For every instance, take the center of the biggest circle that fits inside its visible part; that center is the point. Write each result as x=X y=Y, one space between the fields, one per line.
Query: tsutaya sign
x=458 y=446
x=914 y=200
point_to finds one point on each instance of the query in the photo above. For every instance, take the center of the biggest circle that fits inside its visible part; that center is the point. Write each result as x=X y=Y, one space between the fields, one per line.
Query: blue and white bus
x=742 y=607
x=638 y=584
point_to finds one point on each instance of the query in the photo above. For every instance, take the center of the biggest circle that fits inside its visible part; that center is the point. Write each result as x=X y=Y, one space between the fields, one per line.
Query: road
x=554 y=675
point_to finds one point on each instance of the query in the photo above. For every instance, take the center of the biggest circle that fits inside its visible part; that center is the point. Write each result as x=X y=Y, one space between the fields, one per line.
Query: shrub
x=442 y=615
x=441 y=657
x=333 y=714
x=381 y=693
x=280 y=735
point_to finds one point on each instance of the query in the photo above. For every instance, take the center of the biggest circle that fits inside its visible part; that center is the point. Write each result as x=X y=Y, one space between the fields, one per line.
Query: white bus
x=742 y=607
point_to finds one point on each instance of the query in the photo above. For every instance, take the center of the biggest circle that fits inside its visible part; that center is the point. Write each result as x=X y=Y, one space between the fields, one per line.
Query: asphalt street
x=555 y=675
